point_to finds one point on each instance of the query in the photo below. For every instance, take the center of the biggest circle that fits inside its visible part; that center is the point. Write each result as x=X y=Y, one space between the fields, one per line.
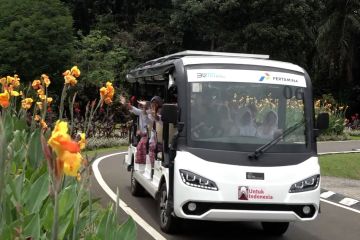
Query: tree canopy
x=35 y=36
x=113 y=36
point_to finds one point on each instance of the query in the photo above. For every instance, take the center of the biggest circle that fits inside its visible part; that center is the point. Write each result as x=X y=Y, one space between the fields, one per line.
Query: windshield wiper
x=258 y=152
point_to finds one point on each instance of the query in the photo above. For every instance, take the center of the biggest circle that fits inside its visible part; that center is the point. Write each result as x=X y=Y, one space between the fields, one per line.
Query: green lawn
x=354 y=137
x=346 y=165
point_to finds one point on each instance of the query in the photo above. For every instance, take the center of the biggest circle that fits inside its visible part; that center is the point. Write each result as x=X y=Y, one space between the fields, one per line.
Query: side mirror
x=169 y=113
x=322 y=121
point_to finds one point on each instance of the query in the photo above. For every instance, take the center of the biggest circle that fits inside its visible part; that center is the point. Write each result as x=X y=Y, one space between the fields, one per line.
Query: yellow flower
x=70 y=79
x=103 y=92
x=3 y=81
x=75 y=71
x=16 y=81
x=36 y=84
x=42 y=96
x=46 y=80
x=4 y=99
x=71 y=162
x=49 y=100
x=60 y=140
x=26 y=103
x=9 y=80
x=40 y=105
x=82 y=141
x=15 y=93
x=40 y=92
x=107 y=93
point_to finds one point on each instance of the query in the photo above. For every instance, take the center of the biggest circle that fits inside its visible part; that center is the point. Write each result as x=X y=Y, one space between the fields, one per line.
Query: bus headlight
x=307 y=184
x=195 y=180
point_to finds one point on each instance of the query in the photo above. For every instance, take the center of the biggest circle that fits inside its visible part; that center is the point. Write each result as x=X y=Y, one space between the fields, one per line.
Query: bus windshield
x=234 y=110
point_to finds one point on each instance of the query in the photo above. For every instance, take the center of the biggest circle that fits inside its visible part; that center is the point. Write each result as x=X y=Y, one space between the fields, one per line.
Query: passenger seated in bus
x=246 y=125
x=155 y=143
x=269 y=126
x=144 y=120
x=200 y=117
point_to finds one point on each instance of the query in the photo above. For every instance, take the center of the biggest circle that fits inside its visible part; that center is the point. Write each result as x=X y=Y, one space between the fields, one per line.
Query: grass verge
x=345 y=165
x=354 y=137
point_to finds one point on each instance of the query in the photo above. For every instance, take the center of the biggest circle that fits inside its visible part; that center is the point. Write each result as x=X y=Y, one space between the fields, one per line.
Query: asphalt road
x=333 y=222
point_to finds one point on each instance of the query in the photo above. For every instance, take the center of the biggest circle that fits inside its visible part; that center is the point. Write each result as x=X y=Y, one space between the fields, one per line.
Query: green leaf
x=67 y=199
x=16 y=184
x=20 y=124
x=35 y=153
x=32 y=226
x=127 y=230
x=38 y=192
x=48 y=215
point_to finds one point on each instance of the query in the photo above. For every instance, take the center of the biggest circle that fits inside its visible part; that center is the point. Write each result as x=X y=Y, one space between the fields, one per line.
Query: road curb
x=340 y=199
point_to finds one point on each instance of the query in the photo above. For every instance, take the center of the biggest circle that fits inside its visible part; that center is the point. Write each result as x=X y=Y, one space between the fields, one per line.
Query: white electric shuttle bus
x=238 y=140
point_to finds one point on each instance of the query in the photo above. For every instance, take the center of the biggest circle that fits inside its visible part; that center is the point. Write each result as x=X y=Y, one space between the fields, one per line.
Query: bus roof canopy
x=157 y=69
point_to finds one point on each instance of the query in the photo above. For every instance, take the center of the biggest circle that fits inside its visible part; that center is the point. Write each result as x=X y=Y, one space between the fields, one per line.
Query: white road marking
x=155 y=234
x=327 y=194
x=339 y=205
x=348 y=201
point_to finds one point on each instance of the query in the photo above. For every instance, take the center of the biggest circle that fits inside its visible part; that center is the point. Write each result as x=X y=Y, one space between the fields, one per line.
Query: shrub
x=336 y=113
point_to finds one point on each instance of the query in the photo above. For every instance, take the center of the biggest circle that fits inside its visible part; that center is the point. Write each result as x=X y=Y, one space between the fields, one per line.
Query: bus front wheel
x=168 y=222
x=275 y=228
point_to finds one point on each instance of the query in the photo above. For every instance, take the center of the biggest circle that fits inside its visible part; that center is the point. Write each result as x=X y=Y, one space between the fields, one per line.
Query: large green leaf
x=32 y=226
x=127 y=230
x=38 y=192
x=35 y=153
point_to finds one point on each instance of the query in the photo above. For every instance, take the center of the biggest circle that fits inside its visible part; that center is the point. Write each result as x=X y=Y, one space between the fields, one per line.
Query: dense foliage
x=113 y=36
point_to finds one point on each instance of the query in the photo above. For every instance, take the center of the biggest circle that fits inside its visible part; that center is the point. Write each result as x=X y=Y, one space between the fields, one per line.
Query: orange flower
x=103 y=92
x=4 y=99
x=67 y=72
x=75 y=71
x=37 y=118
x=107 y=93
x=43 y=124
x=108 y=100
x=36 y=84
x=26 y=103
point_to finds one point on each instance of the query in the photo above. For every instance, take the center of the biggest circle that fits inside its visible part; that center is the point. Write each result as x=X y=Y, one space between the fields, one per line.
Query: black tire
x=275 y=228
x=136 y=188
x=168 y=223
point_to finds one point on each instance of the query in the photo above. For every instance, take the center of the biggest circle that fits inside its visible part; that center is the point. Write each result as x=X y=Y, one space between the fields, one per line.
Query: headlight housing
x=307 y=184
x=195 y=180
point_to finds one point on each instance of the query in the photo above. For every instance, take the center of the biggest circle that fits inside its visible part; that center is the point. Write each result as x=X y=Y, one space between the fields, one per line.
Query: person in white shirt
x=144 y=121
x=246 y=125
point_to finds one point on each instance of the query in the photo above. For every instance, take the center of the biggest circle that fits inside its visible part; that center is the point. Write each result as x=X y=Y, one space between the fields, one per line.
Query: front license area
x=246 y=193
